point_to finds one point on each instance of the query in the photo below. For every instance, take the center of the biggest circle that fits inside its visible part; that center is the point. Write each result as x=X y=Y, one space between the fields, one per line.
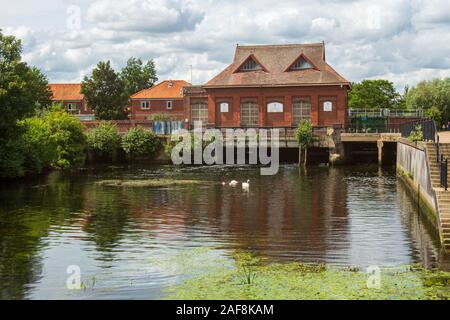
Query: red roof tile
x=170 y=89
x=66 y=91
x=277 y=59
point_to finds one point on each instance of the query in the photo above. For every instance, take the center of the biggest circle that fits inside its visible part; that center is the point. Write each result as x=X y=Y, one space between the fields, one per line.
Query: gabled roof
x=66 y=91
x=277 y=59
x=250 y=58
x=168 y=89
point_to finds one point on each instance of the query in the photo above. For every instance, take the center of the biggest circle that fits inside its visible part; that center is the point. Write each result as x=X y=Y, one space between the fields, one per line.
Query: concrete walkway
x=444 y=137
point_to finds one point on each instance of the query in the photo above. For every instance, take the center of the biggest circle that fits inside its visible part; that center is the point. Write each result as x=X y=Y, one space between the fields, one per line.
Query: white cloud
x=404 y=41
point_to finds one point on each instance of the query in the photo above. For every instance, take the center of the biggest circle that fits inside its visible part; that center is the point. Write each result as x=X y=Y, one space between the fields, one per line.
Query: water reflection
x=346 y=216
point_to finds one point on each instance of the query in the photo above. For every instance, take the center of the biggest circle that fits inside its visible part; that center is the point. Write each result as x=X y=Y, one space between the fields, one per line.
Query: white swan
x=246 y=185
x=233 y=183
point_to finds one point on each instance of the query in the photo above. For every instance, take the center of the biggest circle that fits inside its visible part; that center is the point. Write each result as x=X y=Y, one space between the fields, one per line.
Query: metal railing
x=429 y=133
x=443 y=172
x=428 y=128
x=383 y=112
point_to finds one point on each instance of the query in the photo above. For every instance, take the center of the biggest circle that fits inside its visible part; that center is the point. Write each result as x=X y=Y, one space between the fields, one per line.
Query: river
x=134 y=242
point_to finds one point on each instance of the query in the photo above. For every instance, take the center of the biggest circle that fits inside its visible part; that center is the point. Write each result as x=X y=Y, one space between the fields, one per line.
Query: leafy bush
x=304 y=133
x=140 y=142
x=67 y=132
x=39 y=145
x=104 y=140
x=304 y=136
x=416 y=134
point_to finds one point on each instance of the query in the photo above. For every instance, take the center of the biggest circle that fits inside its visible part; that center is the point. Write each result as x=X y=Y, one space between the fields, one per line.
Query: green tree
x=39 y=145
x=104 y=140
x=138 y=76
x=304 y=136
x=374 y=94
x=105 y=93
x=22 y=90
x=435 y=114
x=140 y=142
x=67 y=132
x=428 y=94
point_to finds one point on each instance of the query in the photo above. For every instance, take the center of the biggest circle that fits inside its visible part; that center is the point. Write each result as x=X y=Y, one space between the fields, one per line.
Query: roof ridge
x=282 y=45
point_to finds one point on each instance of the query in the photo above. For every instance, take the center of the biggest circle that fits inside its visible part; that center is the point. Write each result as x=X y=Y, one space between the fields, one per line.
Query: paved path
x=444 y=137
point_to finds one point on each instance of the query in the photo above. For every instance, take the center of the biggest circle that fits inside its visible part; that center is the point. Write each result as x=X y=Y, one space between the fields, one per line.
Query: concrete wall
x=412 y=162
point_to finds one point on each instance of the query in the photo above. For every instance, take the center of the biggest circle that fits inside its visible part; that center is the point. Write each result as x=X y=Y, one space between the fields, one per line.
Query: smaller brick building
x=70 y=96
x=165 y=98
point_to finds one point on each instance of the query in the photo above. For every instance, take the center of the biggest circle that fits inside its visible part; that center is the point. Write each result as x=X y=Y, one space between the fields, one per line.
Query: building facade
x=272 y=86
x=70 y=96
x=165 y=99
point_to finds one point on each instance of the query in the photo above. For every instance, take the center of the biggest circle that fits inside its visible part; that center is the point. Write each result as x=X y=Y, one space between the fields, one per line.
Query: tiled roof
x=66 y=91
x=276 y=60
x=170 y=89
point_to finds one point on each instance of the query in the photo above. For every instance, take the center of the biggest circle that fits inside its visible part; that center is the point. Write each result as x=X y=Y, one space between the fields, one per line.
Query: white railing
x=384 y=113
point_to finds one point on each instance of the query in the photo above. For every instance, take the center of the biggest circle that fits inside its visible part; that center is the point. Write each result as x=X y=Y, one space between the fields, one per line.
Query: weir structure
x=423 y=165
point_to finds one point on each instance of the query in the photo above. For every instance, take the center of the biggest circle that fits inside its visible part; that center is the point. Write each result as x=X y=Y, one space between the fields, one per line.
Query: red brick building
x=70 y=96
x=272 y=85
x=165 y=98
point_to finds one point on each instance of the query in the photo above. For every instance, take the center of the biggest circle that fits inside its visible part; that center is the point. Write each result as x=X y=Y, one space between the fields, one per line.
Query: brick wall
x=157 y=107
x=284 y=95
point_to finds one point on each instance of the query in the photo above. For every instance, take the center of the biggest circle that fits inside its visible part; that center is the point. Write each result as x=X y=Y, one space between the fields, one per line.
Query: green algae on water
x=154 y=183
x=252 y=279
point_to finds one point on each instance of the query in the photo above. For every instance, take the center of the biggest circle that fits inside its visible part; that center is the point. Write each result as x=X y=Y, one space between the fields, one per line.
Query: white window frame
x=328 y=106
x=169 y=103
x=145 y=105
x=224 y=107
x=71 y=106
x=272 y=107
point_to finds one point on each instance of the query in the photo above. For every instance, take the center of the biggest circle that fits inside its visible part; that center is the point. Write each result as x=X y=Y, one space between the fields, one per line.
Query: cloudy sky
x=403 y=41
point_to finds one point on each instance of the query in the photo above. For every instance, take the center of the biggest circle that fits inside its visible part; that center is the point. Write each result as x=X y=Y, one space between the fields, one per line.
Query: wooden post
x=299 y=155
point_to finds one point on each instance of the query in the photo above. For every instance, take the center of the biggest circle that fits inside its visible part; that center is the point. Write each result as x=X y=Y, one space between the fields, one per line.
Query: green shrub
x=104 y=140
x=416 y=134
x=304 y=133
x=304 y=136
x=39 y=145
x=67 y=132
x=140 y=142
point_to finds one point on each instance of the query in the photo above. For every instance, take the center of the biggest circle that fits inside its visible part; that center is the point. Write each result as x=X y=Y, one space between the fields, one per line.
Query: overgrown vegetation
x=104 y=140
x=140 y=142
x=416 y=134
